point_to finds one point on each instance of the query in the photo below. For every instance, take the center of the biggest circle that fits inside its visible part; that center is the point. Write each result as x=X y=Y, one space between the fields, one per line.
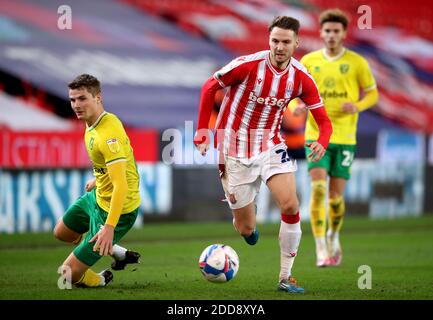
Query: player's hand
x=202 y=140
x=317 y=151
x=299 y=110
x=202 y=148
x=90 y=185
x=349 y=107
x=104 y=240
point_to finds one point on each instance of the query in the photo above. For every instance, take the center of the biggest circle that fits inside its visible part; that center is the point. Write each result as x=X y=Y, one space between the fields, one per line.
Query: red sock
x=290 y=218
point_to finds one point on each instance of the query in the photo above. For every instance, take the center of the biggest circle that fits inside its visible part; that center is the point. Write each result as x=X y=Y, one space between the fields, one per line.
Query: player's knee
x=290 y=206
x=59 y=233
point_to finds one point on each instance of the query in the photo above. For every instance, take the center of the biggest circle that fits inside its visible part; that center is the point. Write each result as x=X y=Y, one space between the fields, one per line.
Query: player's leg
x=241 y=184
x=318 y=213
x=283 y=189
x=75 y=221
x=64 y=233
x=336 y=215
x=244 y=221
x=339 y=173
x=318 y=172
x=122 y=256
x=82 y=275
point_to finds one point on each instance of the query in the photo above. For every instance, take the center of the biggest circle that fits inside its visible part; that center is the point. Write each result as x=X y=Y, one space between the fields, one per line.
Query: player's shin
x=337 y=209
x=318 y=216
x=289 y=238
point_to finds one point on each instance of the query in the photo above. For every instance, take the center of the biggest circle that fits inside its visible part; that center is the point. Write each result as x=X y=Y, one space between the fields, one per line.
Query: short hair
x=86 y=81
x=334 y=15
x=285 y=22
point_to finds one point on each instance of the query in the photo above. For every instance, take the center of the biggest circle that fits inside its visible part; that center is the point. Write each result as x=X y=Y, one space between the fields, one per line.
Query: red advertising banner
x=55 y=149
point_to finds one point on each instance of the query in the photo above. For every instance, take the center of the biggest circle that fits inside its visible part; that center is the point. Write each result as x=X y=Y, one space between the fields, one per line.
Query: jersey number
x=284 y=155
x=348 y=158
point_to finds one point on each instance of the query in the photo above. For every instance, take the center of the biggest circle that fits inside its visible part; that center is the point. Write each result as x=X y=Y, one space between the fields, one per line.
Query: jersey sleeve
x=111 y=145
x=233 y=73
x=308 y=92
x=365 y=76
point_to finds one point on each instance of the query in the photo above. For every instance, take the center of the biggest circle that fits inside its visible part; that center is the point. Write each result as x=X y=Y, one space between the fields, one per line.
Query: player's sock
x=333 y=241
x=119 y=253
x=321 y=248
x=289 y=238
x=317 y=208
x=91 y=279
x=336 y=213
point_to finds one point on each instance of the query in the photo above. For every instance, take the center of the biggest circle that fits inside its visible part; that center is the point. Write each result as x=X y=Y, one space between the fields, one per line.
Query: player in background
x=109 y=208
x=340 y=75
x=251 y=148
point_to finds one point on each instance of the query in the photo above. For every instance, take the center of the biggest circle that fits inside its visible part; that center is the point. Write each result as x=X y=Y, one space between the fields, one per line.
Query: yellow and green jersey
x=107 y=143
x=339 y=80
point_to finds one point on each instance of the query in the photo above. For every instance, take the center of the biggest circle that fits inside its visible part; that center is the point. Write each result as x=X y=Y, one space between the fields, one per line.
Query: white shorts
x=242 y=177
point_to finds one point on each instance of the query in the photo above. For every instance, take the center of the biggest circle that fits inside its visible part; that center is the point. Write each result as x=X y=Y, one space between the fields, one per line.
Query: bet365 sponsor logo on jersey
x=270 y=101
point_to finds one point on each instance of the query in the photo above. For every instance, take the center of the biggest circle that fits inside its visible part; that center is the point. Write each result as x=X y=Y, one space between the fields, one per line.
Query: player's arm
x=207 y=98
x=370 y=99
x=368 y=83
x=310 y=96
x=230 y=75
x=104 y=238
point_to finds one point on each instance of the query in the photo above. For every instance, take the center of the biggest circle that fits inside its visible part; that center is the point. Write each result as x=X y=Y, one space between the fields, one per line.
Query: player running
x=340 y=75
x=260 y=86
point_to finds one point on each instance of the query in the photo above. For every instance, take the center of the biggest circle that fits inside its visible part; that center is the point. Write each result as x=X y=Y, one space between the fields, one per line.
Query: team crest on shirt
x=344 y=68
x=317 y=69
x=113 y=145
x=91 y=143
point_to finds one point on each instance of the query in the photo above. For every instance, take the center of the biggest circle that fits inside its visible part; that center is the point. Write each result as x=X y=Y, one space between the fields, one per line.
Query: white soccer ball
x=219 y=263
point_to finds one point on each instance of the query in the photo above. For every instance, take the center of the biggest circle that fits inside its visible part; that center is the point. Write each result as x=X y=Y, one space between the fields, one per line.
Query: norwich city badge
x=344 y=68
x=113 y=145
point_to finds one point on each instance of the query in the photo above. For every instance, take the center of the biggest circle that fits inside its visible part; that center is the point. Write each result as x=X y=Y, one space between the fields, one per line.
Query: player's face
x=333 y=35
x=84 y=104
x=282 y=43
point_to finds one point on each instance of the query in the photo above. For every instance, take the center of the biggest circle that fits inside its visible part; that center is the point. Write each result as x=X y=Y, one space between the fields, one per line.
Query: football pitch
x=399 y=253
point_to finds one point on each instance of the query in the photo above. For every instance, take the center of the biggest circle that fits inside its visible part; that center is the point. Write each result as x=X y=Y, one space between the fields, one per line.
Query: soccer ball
x=219 y=263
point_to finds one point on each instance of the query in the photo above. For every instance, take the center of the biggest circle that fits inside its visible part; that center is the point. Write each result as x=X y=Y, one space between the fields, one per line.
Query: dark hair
x=86 y=81
x=334 y=15
x=285 y=22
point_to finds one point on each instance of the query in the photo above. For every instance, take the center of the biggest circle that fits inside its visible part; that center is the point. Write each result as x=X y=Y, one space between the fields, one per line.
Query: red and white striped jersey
x=249 y=120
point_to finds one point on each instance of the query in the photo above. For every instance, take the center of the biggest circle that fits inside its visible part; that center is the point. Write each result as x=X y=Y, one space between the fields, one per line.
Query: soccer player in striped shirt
x=340 y=75
x=109 y=208
x=251 y=148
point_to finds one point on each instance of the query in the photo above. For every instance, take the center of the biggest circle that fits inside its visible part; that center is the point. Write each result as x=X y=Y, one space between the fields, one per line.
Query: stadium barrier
x=33 y=200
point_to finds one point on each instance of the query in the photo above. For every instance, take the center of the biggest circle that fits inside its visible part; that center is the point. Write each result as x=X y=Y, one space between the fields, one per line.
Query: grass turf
x=399 y=253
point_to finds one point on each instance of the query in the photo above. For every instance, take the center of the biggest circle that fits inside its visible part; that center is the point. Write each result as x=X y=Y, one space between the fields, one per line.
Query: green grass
x=399 y=252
